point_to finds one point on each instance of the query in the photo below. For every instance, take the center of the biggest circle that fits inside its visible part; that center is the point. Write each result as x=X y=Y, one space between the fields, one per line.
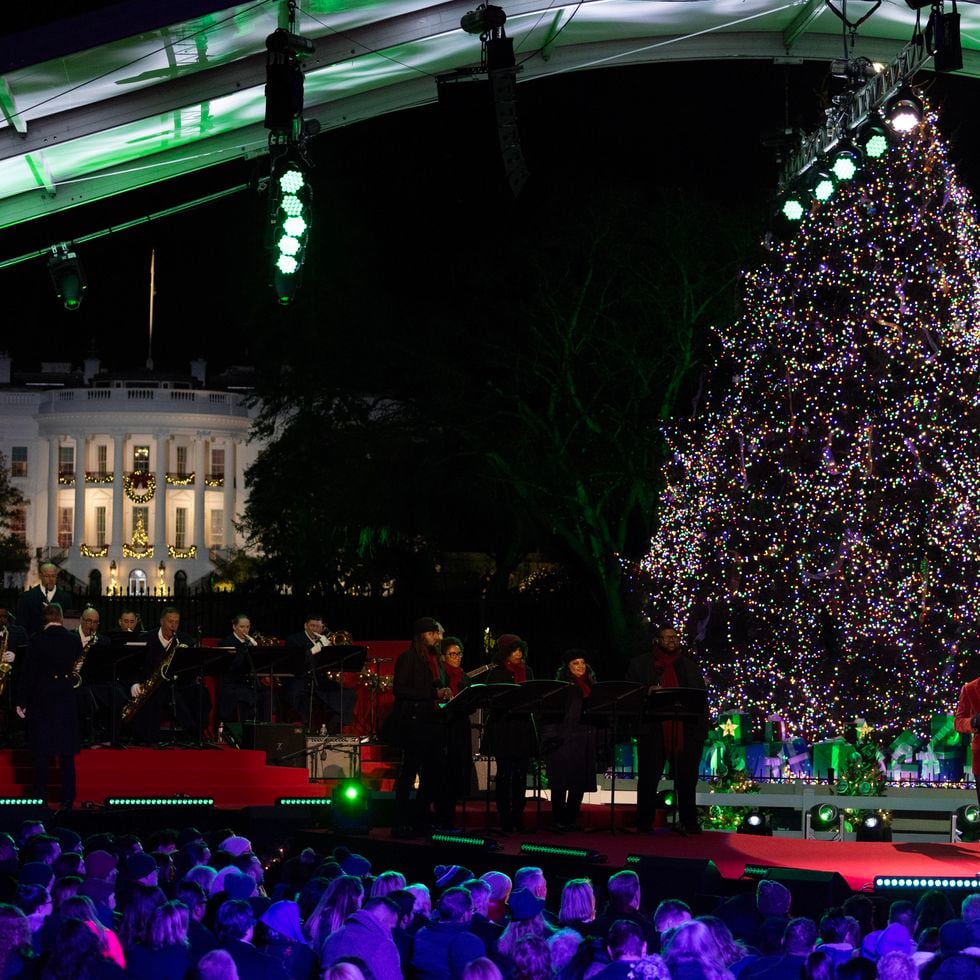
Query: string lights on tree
x=820 y=529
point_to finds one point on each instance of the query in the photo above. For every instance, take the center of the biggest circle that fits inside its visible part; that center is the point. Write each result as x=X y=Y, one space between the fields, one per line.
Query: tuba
x=76 y=670
x=5 y=669
x=155 y=679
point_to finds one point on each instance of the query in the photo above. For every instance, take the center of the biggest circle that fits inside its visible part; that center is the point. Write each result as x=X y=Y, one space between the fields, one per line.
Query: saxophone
x=5 y=669
x=76 y=670
x=155 y=679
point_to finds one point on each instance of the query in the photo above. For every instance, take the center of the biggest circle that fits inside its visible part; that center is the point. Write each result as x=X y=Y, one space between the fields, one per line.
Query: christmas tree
x=819 y=533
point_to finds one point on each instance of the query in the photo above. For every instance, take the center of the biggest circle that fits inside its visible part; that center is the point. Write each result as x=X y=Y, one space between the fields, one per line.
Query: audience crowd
x=190 y=905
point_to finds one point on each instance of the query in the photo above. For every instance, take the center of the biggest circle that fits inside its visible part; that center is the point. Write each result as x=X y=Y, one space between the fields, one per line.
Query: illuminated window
x=181 y=461
x=141 y=459
x=217 y=528
x=101 y=460
x=217 y=462
x=66 y=516
x=17 y=523
x=100 y=527
x=18 y=461
x=140 y=513
x=66 y=461
x=180 y=528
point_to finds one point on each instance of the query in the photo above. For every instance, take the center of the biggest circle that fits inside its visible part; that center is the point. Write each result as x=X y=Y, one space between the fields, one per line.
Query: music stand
x=674 y=704
x=267 y=661
x=124 y=648
x=207 y=657
x=613 y=699
x=333 y=659
x=541 y=697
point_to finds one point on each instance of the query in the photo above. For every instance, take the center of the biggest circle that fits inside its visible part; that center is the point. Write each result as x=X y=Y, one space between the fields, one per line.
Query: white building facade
x=133 y=484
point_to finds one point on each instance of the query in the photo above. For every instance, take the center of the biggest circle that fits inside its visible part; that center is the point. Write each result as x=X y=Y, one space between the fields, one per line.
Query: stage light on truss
x=757 y=823
x=587 y=854
x=67 y=276
x=966 y=824
x=875 y=826
x=903 y=111
x=351 y=807
x=484 y=20
x=845 y=162
x=465 y=840
x=821 y=185
x=873 y=141
x=290 y=218
x=792 y=205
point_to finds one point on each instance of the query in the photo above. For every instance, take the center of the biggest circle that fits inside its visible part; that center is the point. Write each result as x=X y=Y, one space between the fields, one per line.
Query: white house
x=133 y=481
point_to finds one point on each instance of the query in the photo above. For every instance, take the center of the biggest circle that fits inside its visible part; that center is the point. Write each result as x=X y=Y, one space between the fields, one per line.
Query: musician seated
x=158 y=691
x=95 y=695
x=311 y=688
x=13 y=644
x=238 y=695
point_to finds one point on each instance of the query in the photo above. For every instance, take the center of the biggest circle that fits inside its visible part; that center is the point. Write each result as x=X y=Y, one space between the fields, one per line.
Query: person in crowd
x=416 y=727
x=658 y=742
x=897 y=934
x=281 y=936
x=79 y=953
x=423 y=905
x=509 y=737
x=239 y=684
x=834 y=934
x=401 y=935
x=138 y=903
x=33 y=602
x=366 y=934
x=234 y=927
x=532 y=959
x=216 y=965
x=481 y=924
x=526 y=919
x=730 y=950
x=626 y=946
x=933 y=909
x=500 y=889
x=342 y=898
x=481 y=969
x=457 y=780
x=200 y=939
x=623 y=890
x=669 y=914
x=446 y=945
x=35 y=902
x=16 y=954
x=46 y=700
x=568 y=747
x=691 y=953
x=387 y=882
x=896 y=966
x=185 y=700
x=818 y=966
x=799 y=941
x=577 y=910
x=166 y=952
x=311 y=688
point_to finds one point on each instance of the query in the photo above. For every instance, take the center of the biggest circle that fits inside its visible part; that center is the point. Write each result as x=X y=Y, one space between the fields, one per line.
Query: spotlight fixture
x=903 y=113
x=290 y=217
x=757 y=823
x=792 y=205
x=666 y=800
x=484 y=20
x=845 y=162
x=874 y=827
x=823 y=817
x=67 y=275
x=873 y=141
x=351 y=807
x=821 y=185
x=966 y=824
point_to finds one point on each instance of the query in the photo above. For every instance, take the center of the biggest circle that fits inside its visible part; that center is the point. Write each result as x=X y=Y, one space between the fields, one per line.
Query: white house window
x=66 y=517
x=101 y=460
x=217 y=462
x=141 y=459
x=18 y=461
x=217 y=528
x=180 y=528
x=137 y=582
x=181 y=461
x=18 y=523
x=66 y=461
x=100 y=527
x=140 y=514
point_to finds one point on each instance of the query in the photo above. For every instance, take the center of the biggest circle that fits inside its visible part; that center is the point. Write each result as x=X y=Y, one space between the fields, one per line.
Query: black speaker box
x=688 y=879
x=284 y=745
x=812 y=891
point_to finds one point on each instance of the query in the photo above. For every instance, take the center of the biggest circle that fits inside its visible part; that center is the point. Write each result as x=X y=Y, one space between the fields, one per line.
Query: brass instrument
x=5 y=669
x=155 y=679
x=76 y=670
x=339 y=638
x=265 y=641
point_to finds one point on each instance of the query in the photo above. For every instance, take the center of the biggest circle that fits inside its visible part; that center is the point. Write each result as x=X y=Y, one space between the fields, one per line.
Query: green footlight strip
x=890 y=883
x=159 y=801
x=461 y=840
x=304 y=801
x=554 y=850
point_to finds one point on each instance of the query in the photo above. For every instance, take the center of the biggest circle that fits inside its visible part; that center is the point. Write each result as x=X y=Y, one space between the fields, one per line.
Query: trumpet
x=76 y=670
x=5 y=669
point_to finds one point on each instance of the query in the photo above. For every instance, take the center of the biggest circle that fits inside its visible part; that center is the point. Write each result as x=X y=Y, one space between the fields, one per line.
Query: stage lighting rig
x=903 y=111
x=290 y=218
x=485 y=20
x=67 y=275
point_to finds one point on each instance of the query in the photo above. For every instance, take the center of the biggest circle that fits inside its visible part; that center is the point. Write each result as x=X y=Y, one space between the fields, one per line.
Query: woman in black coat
x=568 y=746
x=510 y=738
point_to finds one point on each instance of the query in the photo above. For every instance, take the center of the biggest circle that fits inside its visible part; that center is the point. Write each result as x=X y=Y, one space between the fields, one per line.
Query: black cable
x=552 y=40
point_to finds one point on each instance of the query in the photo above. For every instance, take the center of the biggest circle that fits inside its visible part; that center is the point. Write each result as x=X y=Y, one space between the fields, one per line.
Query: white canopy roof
x=145 y=91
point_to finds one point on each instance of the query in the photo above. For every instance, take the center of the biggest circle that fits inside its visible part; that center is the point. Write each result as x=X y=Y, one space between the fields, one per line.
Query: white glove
x=135 y=690
x=316 y=648
x=8 y=657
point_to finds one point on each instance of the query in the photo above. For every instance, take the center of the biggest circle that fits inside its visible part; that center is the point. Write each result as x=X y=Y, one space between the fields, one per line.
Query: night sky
x=403 y=202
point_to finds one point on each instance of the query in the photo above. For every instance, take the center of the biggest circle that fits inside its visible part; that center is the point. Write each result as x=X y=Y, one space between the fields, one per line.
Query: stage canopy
x=144 y=91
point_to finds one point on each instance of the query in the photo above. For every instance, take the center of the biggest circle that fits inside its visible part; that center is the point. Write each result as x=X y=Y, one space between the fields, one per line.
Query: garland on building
x=140 y=547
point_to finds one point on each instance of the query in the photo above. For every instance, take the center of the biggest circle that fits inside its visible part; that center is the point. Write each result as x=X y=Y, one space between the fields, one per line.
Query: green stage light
x=351 y=807
x=666 y=800
x=824 y=817
x=845 y=162
x=303 y=801
x=793 y=209
x=158 y=801
x=22 y=801
x=966 y=823
x=463 y=840
x=587 y=854
x=67 y=276
x=885 y=883
x=290 y=219
x=822 y=185
x=873 y=141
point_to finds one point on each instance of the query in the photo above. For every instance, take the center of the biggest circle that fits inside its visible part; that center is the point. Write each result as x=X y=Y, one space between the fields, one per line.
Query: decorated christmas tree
x=819 y=535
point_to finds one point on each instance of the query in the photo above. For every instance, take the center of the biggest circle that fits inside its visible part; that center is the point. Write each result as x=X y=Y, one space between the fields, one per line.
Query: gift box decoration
x=796 y=755
x=734 y=727
x=904 y=747
x=928 y=765
x=625 y=754
x=943 y=733
x=764 y=760
x=776 y=729
x=831 y=756
x=902 y=772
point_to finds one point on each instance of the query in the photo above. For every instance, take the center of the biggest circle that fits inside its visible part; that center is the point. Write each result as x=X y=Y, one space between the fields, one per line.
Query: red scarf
x=666 y=664
x=432 y=659
x=518 y=671
x=454 y=678
x=583 y=685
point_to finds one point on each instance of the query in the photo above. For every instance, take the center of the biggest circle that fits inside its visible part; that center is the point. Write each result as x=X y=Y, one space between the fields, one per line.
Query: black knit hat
x=426 y=625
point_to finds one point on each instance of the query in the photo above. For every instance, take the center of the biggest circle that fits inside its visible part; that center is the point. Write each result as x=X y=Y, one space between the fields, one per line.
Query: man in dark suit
x=312 y=686
x=30 y=606
x=667 y=665
x=98 y=695
x=46 y=699
x=187 y=701
x=238 y=684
